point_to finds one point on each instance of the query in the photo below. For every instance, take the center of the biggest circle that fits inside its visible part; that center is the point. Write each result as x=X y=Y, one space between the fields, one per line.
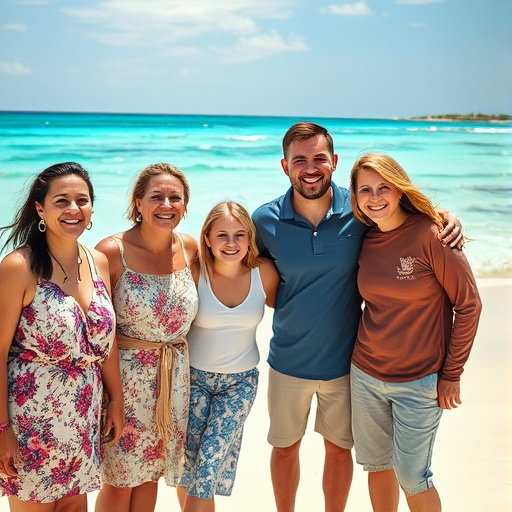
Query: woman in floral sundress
x=155 y=300
x=57 y=333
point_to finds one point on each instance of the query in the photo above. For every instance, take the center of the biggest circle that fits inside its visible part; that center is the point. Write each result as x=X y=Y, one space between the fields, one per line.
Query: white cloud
x=15 y=27
x=355 y=9
x=14 y=68
x=260 y=46
x=130 y=22
x=418 y=2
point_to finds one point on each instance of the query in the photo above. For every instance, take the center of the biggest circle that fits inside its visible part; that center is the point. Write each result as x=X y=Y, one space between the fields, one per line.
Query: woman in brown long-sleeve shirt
x=419 y=321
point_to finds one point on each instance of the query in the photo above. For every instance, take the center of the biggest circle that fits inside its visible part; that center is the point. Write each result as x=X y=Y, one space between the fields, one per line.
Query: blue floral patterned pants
x=219 y=406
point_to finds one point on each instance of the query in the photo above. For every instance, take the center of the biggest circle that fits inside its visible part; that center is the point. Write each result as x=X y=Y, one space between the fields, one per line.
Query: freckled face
x=163 y=204
x=378 y=199
x=228 y=240
x=309 y=164
x=67 y=207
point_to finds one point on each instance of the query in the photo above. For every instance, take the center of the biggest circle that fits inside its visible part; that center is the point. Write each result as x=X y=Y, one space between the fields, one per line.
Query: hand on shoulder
x=452 y=233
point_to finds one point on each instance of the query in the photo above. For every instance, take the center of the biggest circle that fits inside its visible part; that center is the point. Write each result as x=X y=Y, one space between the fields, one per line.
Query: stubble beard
x=313 y=194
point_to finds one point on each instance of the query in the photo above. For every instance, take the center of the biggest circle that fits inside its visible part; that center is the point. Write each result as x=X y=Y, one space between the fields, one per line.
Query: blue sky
x=373 y=58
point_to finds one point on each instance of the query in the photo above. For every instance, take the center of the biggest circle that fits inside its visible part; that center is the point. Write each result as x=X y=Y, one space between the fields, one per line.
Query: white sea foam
x=465 y=167
x=249 y=138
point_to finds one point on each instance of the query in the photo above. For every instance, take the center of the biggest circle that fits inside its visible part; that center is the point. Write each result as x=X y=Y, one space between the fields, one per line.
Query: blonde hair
x=142 y=184
x=238 y=212
x=413 y=201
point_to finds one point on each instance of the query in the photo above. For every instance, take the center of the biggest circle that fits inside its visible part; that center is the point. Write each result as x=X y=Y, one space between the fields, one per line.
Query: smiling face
x=378 y=199
x=163 y=203
x=309 y=164
x=228 y=240
x=67 y=207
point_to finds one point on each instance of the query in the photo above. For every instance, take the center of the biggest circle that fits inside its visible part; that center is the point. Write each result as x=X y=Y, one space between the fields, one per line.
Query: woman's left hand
x=448 y=394
x=452 y=233
x=10 y=457
x=114 y=420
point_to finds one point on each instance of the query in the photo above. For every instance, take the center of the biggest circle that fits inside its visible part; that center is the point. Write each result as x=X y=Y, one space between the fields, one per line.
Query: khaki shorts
x=289 y=403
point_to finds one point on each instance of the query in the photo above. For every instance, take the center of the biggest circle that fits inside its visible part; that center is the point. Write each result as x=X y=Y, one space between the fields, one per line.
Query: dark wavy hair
x=24 y=228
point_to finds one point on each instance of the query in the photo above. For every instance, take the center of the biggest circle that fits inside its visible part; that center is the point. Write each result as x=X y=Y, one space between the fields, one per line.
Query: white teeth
x=376 y=208
x=69 y=221
x=311 y=180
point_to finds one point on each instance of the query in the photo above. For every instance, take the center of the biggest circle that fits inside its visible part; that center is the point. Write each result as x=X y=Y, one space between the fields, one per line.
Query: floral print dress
x=154 y=308
x=55 y=392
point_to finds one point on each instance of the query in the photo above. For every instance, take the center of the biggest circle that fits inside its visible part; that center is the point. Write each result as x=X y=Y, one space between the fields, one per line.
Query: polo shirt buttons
x=315 y=233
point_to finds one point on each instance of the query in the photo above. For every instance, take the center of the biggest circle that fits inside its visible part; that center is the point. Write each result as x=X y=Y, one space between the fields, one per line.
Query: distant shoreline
x=491 y=118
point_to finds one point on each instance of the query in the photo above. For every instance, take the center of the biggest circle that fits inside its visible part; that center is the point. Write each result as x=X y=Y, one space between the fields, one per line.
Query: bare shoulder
x=190 y=241
x=111 y=252
x=17 y=262
x=108 y=246
x=17 y=282
x=190 y=246
x=267 y=266
x=99 y=257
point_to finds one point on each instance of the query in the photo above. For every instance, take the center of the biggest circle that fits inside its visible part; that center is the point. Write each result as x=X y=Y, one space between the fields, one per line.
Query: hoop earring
x=89 y=226
x=184 y=216
x=138 y=217
x=41 y=226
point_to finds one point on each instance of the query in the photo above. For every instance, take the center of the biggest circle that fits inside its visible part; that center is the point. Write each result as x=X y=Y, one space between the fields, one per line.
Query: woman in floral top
x=155 y=300
x=56 y=349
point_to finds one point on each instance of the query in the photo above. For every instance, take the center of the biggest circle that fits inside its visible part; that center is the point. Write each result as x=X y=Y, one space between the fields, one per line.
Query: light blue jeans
x=395 y=425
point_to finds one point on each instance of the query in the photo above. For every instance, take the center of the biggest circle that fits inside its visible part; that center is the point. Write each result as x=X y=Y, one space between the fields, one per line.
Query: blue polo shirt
x=318 y=305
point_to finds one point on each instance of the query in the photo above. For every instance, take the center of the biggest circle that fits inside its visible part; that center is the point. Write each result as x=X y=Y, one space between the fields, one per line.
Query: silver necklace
x=79 y=260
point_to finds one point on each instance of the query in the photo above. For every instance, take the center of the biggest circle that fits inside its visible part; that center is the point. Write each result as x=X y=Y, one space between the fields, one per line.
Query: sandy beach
x=472 y=461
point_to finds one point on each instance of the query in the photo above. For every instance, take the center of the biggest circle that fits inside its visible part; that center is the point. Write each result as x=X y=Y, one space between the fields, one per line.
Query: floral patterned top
x=55 y=392
x=154 y=308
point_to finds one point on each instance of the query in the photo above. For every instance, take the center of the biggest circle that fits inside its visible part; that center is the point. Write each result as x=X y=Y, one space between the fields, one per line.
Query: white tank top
x=223 y=339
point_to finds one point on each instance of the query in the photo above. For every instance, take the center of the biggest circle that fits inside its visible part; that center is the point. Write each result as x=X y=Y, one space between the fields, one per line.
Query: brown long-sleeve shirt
x=421 y=305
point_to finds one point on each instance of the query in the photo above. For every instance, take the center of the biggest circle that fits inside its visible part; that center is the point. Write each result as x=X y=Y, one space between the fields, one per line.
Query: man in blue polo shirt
x=314 y=240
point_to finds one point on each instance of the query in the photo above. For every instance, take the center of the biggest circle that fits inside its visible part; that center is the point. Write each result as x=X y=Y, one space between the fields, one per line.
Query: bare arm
x=270 y=280
x=110 y=372
x=17 y=288
x=115 y=408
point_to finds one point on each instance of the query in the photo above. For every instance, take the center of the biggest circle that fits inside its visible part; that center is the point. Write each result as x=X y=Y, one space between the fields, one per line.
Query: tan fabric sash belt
x=166 y=354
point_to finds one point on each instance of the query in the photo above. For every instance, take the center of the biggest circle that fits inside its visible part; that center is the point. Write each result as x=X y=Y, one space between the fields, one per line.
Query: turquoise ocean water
x=463 y=166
